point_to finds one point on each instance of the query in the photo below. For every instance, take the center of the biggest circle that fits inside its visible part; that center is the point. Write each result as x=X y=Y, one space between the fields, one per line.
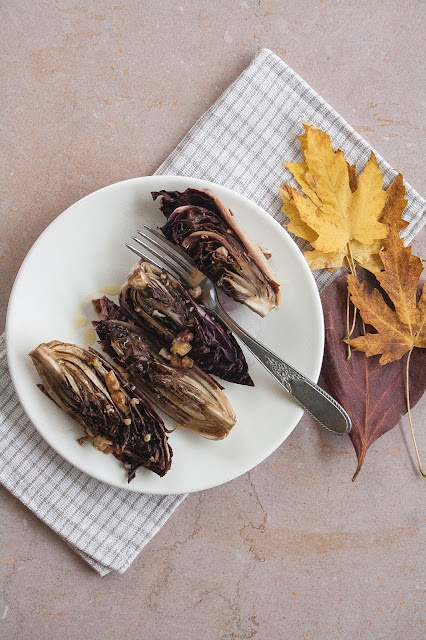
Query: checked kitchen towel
x=240 y=142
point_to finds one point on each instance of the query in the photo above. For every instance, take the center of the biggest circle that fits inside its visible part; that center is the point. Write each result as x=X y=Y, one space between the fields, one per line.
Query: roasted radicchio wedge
x=183 y=391
x=157 y=302
x=199 y=222
x=116 y=418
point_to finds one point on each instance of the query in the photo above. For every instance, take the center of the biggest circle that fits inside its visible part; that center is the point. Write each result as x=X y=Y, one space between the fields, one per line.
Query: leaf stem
x=350 y=260
x=407 y=388
x=350 y=329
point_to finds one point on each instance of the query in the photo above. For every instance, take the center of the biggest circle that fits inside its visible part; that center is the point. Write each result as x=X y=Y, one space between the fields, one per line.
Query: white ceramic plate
x=83 y=251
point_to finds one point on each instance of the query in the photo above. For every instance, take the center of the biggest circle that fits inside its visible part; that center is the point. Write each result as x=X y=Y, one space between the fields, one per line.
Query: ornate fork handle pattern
x=282 y=371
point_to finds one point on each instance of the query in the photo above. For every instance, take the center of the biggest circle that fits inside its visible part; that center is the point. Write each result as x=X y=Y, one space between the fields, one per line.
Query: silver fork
x=317 y=402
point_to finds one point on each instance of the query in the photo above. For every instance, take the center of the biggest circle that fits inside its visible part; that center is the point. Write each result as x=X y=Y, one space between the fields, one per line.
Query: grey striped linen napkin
x=240 y=142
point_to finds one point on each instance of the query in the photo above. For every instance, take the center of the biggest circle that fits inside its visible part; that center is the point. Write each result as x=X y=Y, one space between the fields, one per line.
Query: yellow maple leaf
x=296 y=225
x=338 y=214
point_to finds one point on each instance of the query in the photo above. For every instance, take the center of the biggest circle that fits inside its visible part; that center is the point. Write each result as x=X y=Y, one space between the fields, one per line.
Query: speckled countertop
x=96 y=92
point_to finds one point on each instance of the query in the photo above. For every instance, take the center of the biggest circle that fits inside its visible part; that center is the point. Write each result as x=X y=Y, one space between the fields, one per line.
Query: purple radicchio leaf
x=162 y=306
x=192 y=398
x=200 y=223
x=116 y=418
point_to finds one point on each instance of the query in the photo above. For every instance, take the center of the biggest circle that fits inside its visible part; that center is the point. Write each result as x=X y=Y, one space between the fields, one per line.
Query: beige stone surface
x=93 y=92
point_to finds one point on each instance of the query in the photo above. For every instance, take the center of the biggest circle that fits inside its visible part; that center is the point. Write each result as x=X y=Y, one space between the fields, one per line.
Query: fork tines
x=174 y=260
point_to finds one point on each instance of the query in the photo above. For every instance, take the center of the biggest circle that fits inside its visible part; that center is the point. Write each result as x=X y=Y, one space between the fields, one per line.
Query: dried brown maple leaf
x=395 y=204
x=373 y=395
x=401 y=329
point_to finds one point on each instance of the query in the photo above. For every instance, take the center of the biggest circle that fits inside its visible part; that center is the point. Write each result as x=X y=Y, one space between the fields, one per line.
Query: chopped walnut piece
x=147 y=437
x=111 y=381
x=140 y=280
x=195 y=292
x=181 y=348
x=178 y=362
x=103 y=444
x=182 y=343
x=221 y=252
x=175 y=361
x=120 y=400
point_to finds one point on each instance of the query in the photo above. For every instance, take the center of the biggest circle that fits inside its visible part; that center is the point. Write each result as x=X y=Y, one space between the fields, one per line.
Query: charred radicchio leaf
x=188 y=395
x=116 y=418
x=157 y=302
x=199 y=222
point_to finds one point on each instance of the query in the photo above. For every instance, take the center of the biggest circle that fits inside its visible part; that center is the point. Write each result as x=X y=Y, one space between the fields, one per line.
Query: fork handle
x=325 y=409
